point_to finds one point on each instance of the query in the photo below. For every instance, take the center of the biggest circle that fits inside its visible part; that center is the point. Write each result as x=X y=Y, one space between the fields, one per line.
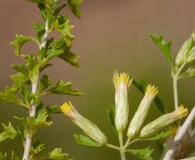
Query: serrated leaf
x=62 y=25
x=164 y=46
x=53 y=109
x=64 y=89
x=70 y=58
x=141 y=86
x=22 y=69
x=57 y=154
x=142 y=153
x=37 y=149
x=58 y=9
x=158 y=136
x=42 y=8
x=9 y=132
x=111 y=116
x=45 y=66
x=74 y=6
x=31 y=61
x=67 y=56
x=85 y=140
x=45 y=82
x=20 y=41
x=40 y=30
x=19 y=80
x=10 y=96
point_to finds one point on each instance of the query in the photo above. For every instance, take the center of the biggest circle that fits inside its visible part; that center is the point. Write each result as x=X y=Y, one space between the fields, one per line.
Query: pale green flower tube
x=162 y=122
x=121 y=82
x=142 y=111
x=87 y=126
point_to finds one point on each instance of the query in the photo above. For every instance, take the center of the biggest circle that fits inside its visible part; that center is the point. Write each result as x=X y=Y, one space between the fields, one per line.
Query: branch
x=182 y=131
x=33 y=105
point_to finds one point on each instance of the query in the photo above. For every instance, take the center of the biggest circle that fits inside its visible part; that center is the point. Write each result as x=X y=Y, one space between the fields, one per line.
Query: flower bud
x=142 y=111
x=87 y=126
x=162 y=122
x=121 y=82
x=184 y=51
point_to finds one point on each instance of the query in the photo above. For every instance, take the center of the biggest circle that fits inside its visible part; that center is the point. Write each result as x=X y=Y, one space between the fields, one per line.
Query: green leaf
x=42 y=8
x=45 y=66
x=40 y=30
x=158 y=136
x=22 y=69
x=45 y=82
x=10 y=96
x=53 y=109
x=141 y=86
x=64 y=89
x=141 y=153
x=74 y=6
x=111 y=116
x=37 y=149
x=20 y=41
x=85 y=140
x=19 y=80
x=57 y=154
x=9 y=132
x=67 y=56
x=164 y=46
x=62 y=25
x=58 y=9
x=70 y=58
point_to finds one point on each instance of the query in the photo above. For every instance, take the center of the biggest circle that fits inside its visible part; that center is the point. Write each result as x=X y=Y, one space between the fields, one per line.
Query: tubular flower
x=163 y=122
x=121 y=82
x=87 y=126
x=142 y=111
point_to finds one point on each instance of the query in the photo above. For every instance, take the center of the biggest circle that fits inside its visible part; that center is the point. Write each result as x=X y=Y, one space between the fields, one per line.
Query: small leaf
x=9 y=132
x=111 y=116
x=20 y=41
x=58 y=9
x=19 y=80
x=37 y=149
x=141 y=153
x=57 y=154
x=10 y=96
x=62 y=25
x=141 y=86
x=22 y=69
x=74 y=6
x=164 y=46
x=64 y=89
x=53 y=109
x=85 y=140
x=40 y=30
x=45 y=82
x=70 y=58
x=158 y=136
x=67 y=56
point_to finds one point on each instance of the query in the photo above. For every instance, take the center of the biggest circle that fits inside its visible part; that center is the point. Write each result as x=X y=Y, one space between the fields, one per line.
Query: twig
x=33 y=105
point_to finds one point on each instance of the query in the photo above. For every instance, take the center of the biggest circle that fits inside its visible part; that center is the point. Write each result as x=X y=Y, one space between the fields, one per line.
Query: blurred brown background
x=111 y=35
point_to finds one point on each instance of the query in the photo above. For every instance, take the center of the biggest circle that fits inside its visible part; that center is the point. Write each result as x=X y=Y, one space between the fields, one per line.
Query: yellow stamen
x=67 y=108
x=121 y=78
x=151 y=90
x=181 y=111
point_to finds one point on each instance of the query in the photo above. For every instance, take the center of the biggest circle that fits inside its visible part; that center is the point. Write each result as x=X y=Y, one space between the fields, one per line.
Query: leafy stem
x=33 y=105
